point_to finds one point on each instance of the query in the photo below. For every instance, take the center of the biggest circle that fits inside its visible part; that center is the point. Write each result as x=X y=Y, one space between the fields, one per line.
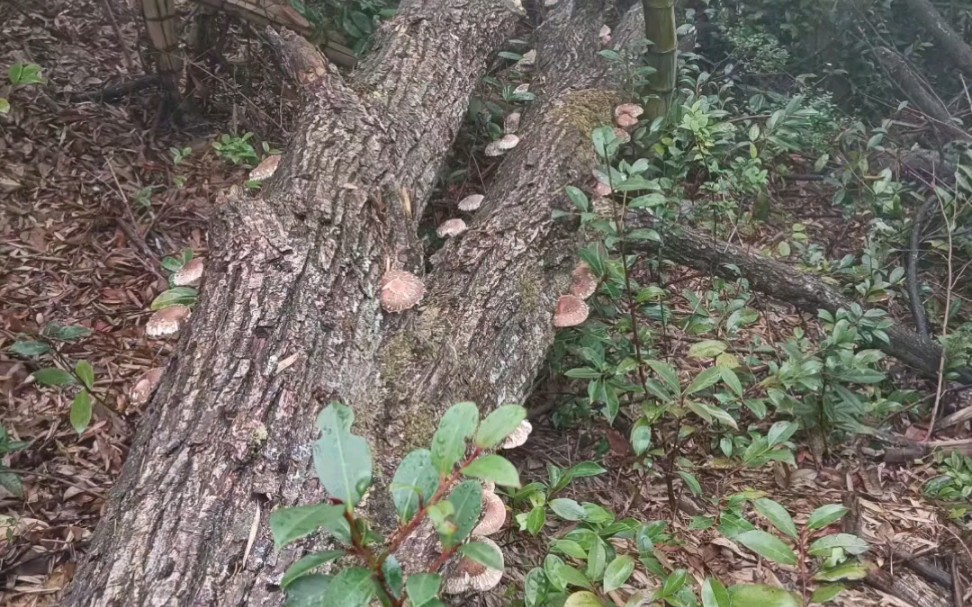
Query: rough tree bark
x=288 y=321
x=951 y=44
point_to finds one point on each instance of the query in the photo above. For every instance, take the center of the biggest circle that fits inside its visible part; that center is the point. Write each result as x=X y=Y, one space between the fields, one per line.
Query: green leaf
x=25 y=73
x=674 y=582
x=66 y=333
x=185 y=296
x=826 y=593
x=585 y=469
x=846 y=571
x=617 y=572
x=825 y=516
x=777 y=515
x=572 y=576
x=730 y=378
x=29 y=349
x=691 y=482
x=569 y=548
x=484 y=554
x=596 y=559
x=849 y=543
x=534 y=585
x=4 y=106
x=11 y=482
x=342 y=460
x=759 y=595
x=767 y=546
x=414 y=483
x=467 y=503
x=536 y=520
x=498 y=425
x=84 y=371
x=449 y=442
x=308 y=564
x=568 y=509
x=578 y=198
x=707 y=348
x=583 y=598
x=394 y=577
x=308 y=590
x=54 y=377
x=667 y=374
x=494 y=468
x=290 y=524
x=352 y=587
x=705 y=379
x=81 y=411
x=422 y=588
x=714 y=594
x=710 y=413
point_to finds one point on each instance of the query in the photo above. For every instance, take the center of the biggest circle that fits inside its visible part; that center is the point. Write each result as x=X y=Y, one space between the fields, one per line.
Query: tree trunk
x=288 y=319
x=951 y=45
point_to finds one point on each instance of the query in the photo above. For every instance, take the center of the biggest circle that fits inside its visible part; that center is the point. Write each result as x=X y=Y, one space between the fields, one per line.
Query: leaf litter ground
x=89 y=209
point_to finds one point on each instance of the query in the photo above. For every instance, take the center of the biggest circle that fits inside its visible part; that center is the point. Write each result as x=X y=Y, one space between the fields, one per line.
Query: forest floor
x=92 y=203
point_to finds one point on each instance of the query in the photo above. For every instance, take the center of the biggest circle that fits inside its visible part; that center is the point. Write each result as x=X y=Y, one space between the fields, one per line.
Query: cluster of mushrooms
x=464 y=574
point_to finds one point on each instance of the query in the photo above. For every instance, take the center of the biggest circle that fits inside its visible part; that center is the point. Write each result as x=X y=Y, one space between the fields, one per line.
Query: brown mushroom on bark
x=494 y=515
x=145 y=386
x=519 y=436
x=189 y=274
x=451 y=227
x=468 y=575
x=501 y=145
x=266 y=168
x=167 y=321
x=400 y=290
x=471 y=203
x=583 y=283
x=571 y=311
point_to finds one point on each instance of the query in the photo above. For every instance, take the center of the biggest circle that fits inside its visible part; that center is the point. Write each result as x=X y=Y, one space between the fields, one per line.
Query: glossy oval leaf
x=307 y=564
x=494 y=468
x=777 y=515
x=81 y=411
x=466 y=499
x=767 y=546
x=394 y=577
x=714 y=594
x=484 y=554
x=422 y=588
x=825 y=516
x=414 y=483
x=707 y=348
x=617 y=572
x=342 y=460
x=705 y=379
x=568 y=509
x=352 y=587
x=29 y=348
x=291 y=524
x=849 y=543
x=534 y=587
x=584 y=598
x=308 y=590
x=185 y=296
x=449 y=442
x=498 y=425
x=85 y=373
x=54 y=377
x=759 y=595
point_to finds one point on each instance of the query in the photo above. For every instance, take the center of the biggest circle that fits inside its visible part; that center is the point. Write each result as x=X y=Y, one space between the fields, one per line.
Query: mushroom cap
x=145 y=386
x=504 y=143
x=602 y=189
x=550 y=2
x=622 y=134
x=511 y=123
x=451 y=227
x=626 y=121
x=167 y=321
x=571 y=311
x=494 y=515
x=523 y=88
x=400 y=290
x=529 y=58
x=189 y=274
x=471 y=203
x=266 y=168
x=631 y=109
x=518 y=436
x=583 y=283
x=604 y=34
x=467 y=574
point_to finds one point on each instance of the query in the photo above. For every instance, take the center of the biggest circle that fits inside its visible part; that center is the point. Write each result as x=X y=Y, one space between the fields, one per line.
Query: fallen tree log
x=690 y=247
x=288 y=321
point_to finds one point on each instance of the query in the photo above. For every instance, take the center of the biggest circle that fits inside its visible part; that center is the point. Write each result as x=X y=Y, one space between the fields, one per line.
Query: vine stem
x=948 y=304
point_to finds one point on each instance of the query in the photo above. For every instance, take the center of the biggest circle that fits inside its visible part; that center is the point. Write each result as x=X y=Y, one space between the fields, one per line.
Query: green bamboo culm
x=662 y=48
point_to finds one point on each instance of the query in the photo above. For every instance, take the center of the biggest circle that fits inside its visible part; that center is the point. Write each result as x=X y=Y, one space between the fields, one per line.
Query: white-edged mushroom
x=451 y=227
x=605 y=34
x=571 y=311
x=523 y=88
x=518 y=436
x=631 y=109
x=529 y=58
x=494 y=515
x=167 y=321
x=468 y=575
x=400 y=290
x=471 y=203
x=602 y=189
x=501 y=145
x=145 y=386
x=511 y=123
x=189 y=274
x=266 y=168
x=626 y=121
x=583 y=283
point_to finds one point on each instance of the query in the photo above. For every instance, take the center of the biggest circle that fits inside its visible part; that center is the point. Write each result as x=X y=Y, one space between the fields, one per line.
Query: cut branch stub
x=400 y=290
